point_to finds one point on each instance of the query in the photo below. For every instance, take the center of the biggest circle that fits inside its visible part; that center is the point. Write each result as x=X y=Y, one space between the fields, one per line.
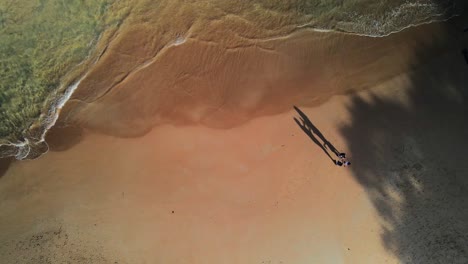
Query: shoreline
x=431 y=21
x=52 y=114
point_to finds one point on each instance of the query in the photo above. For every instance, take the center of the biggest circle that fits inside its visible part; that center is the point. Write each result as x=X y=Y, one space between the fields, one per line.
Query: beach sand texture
x=191 y=154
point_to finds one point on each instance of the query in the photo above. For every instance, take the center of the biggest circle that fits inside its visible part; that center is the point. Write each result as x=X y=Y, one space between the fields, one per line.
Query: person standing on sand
x=343 y=160
x=314 y=133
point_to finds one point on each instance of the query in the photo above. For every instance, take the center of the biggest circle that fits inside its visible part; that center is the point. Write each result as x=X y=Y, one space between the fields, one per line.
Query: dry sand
x=260 y=192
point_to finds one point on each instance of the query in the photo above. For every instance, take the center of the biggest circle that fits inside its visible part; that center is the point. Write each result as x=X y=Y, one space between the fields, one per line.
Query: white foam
x=403 y=9
x=374 y=35
x=52 y=113
x=24 y=147
x=322 y=30
x=179 y=41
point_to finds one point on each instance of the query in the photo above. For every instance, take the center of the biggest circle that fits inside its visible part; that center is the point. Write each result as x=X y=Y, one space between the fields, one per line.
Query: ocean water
x=47 y=48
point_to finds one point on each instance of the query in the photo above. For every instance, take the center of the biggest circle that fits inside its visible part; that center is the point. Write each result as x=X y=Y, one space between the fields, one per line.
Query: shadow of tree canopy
x=411 y=158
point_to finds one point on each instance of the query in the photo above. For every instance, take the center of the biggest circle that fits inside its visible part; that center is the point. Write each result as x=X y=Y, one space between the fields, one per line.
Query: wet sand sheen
x=225 y=83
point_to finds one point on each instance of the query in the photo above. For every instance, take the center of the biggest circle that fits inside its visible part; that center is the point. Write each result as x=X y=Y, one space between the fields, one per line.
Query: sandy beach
x=264 y=193
x=246 y=184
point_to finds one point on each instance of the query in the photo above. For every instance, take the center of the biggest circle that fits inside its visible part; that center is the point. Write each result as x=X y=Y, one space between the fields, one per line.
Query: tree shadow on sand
x=412 y=160
x=308 y=127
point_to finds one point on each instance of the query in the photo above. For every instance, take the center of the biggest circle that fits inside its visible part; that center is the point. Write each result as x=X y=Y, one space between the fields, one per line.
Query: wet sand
x=258 y=192
x=229 y=80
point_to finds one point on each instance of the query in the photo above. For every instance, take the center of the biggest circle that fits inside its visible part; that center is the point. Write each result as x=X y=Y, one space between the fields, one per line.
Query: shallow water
x=44 y=46
x=47 y=46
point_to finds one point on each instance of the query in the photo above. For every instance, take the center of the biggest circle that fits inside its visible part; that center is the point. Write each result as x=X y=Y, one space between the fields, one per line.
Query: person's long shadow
x=310 y=130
